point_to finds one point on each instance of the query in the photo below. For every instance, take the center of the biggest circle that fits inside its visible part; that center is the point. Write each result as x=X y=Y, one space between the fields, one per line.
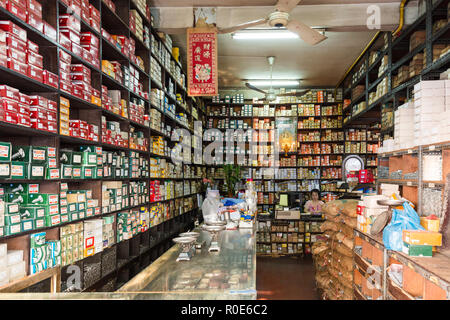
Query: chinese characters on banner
x=202 y=62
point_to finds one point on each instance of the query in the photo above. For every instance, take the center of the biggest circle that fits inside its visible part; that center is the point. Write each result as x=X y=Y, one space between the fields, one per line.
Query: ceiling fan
x=281 y=18
x=270 y=94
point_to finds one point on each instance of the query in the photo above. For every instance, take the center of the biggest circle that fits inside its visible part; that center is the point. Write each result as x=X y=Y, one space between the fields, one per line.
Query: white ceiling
x=320 y=65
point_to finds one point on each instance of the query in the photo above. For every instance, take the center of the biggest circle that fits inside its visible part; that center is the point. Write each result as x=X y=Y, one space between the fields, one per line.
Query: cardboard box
x=417 y=250
x=422 y=237
x=287 y=214
x=430 y=224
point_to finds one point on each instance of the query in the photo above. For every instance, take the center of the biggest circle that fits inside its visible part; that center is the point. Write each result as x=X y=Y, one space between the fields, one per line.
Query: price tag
x=409 y=183
x=432 y=148
x=431 y=185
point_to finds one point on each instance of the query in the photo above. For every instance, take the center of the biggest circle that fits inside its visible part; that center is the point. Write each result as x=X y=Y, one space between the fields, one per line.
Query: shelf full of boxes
x=318 y=126
x=79 y=139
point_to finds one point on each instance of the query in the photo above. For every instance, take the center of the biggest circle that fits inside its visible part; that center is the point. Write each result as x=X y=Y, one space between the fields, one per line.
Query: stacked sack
x=333 y=254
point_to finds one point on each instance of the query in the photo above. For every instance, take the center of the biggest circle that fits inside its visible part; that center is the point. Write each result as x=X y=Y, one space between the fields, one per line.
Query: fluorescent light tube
x=275 y=83
x=264 y=35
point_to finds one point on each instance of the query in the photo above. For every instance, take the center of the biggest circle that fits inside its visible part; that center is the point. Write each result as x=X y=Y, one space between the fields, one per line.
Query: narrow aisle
x=285 y=278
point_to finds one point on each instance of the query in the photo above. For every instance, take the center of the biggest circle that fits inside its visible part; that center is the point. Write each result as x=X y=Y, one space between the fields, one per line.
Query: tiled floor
x=285 y=278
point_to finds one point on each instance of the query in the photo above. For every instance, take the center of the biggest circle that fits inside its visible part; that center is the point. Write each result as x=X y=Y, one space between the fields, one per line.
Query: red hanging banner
x=202 y=62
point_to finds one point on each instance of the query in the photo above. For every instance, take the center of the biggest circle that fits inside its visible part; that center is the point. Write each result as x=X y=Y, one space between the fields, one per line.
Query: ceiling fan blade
x=244 y=26
x=287 y=5
x=293 y=94
x=307 y=34
x=248 y=85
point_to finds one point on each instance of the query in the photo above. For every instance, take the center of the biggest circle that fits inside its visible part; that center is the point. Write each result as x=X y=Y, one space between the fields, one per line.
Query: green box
x=39 y=223
x=417 y=250
x=66 y=171
x=95 y=149
x=76 y=172
x=21 y=188
x=72 y=207
x=38 y=267
x=37 y=240
x=20 y=198
x=13 y=229
x=99 y=160
x=49 y=210
x=51 y=163
x=89 y=158
x=5 y=151
x=27 y=225
x=19 y=170
x=51 y=152
x=65 y=157
x=89 y=172
x=81 y=206
x=51 y=221
x=52 y=173
x=30 y=154
x=63 y=209
x=11 y=208
x=11 y=219
x=37 y=171
x=5 y=170
x=32 y=212
x=77 y=158
x=45 y=199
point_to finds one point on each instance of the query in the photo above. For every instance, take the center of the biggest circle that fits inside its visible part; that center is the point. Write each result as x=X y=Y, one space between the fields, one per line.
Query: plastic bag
x=210 y=206
x=406 y=219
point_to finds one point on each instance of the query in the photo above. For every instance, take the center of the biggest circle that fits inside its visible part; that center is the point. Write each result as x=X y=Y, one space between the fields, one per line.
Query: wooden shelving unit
x=136 y=253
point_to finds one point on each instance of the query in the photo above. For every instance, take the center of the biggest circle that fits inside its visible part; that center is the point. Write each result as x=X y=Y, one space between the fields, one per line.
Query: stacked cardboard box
x=403 y=127
x=416 y=65
x=72 y=242
x=420 y=243
x=43 y=254
x=12 y=265
x=416 y=39
x=115 y=165
x=138 y=193
x=136 y=24
x=368 y=211
x=83 y=164
x=112 y=134
x=108 y=231
x=115 y=196
x=92 y=237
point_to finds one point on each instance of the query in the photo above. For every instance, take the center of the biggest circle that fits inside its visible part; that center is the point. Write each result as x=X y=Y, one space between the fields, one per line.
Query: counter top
x=206 y=275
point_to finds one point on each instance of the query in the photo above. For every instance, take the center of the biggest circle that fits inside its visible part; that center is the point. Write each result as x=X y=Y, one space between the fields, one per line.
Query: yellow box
x=422 y=237
x=430 y=224
x=64 y=117
x=64 y=110
x=64 y=132
x=89 y=252
x=64 y=125
x=64 y=102
x=95 y=100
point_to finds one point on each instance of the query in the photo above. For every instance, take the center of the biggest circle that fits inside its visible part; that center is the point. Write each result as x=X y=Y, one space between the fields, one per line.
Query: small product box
x=417 y=250
x=422 y=237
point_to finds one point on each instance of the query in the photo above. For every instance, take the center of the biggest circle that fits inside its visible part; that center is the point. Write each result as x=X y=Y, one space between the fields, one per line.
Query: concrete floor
x=285 y=278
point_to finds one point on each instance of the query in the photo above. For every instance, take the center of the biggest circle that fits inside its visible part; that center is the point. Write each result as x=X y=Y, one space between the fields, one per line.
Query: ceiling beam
x=251 y=3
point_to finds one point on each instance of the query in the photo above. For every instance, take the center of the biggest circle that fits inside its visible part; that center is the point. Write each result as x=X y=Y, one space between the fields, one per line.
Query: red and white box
x=17 y=66
x=77 y=91
x=76 y=49
x=13 y=42
x=64 y=76
x=35 y=21
x=65 y=57
x=69 y=21
x=35 y=73
x=80 y=68
x=79 y=76
x=39 y=101
x=32 y=47
x=72 y=35
x=34 y=7
x=84 y=134
x=94 y=24
x=23 y=120
x=39 y=124
x=80 y=124
x=35 y=59
x=74 y=132
x=65 y=42
x=17 y=55
x=52 y=105
x=49 y=31
x=65 y=86
x=24 y=109
x=19 y=11
x=52 y=126
x=87 y=38
x=24 y=99
x=9 y=105
x=10 y=117
x=38 y=113
x=50 y=78
x=94 y=13
x=12 y=28
x=8 y=92
x=86 y=55
x=75 y=5
x=65 y=67
x=51 y=116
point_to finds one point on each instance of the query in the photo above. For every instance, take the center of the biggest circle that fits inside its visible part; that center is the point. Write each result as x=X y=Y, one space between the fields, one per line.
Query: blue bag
x=406 y=219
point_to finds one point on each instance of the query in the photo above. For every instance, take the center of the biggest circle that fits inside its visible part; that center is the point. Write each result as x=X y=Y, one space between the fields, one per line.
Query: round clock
x=351 y=163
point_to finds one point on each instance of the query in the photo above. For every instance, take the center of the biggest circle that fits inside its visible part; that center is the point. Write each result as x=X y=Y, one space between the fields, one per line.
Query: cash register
x=288 y=206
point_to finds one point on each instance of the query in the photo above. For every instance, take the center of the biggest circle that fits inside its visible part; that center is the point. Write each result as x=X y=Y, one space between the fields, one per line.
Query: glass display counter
x=226 y=275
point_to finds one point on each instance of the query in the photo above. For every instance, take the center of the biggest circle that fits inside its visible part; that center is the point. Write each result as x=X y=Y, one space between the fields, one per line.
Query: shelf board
x=23 y=83
x=111 y=52
x=8 y=129
x=112 y=83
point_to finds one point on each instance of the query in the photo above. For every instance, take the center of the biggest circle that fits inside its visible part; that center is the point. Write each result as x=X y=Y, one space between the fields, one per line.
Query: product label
x=63 y=209
x=51 y=152
x=38 y=154
x=37 y=171
x=33 y=188
x=4 y=151
x=92 y=158
x=53 y=209
x=76 y=158
x=81 y=214
x=27 y=226
x=89 y=212
x=64 y=218
x=13 y=208
x=81 y=206
x=74 y=216
x=15 y=228
x=63 y=202
x=64 y=186
x=88 y=173
x=40 y=212
x=15 y=218
x=54 y=173
x=40 y=223
x=97 y=211
x=55 y=220
x=67 y=171
x=16 y=170
x=52 y=163
x=76 y=172
x=4 y=169
x=53 y=199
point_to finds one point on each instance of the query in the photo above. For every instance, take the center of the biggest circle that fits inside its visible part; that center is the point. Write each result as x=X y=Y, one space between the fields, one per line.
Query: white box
x=429 y=93
x=3 y=262
x=371 y=201
x=429 y=101
x=429 y=84
x=14 y=257
x=4 y=276
x=17 y=271
x=3 y=249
